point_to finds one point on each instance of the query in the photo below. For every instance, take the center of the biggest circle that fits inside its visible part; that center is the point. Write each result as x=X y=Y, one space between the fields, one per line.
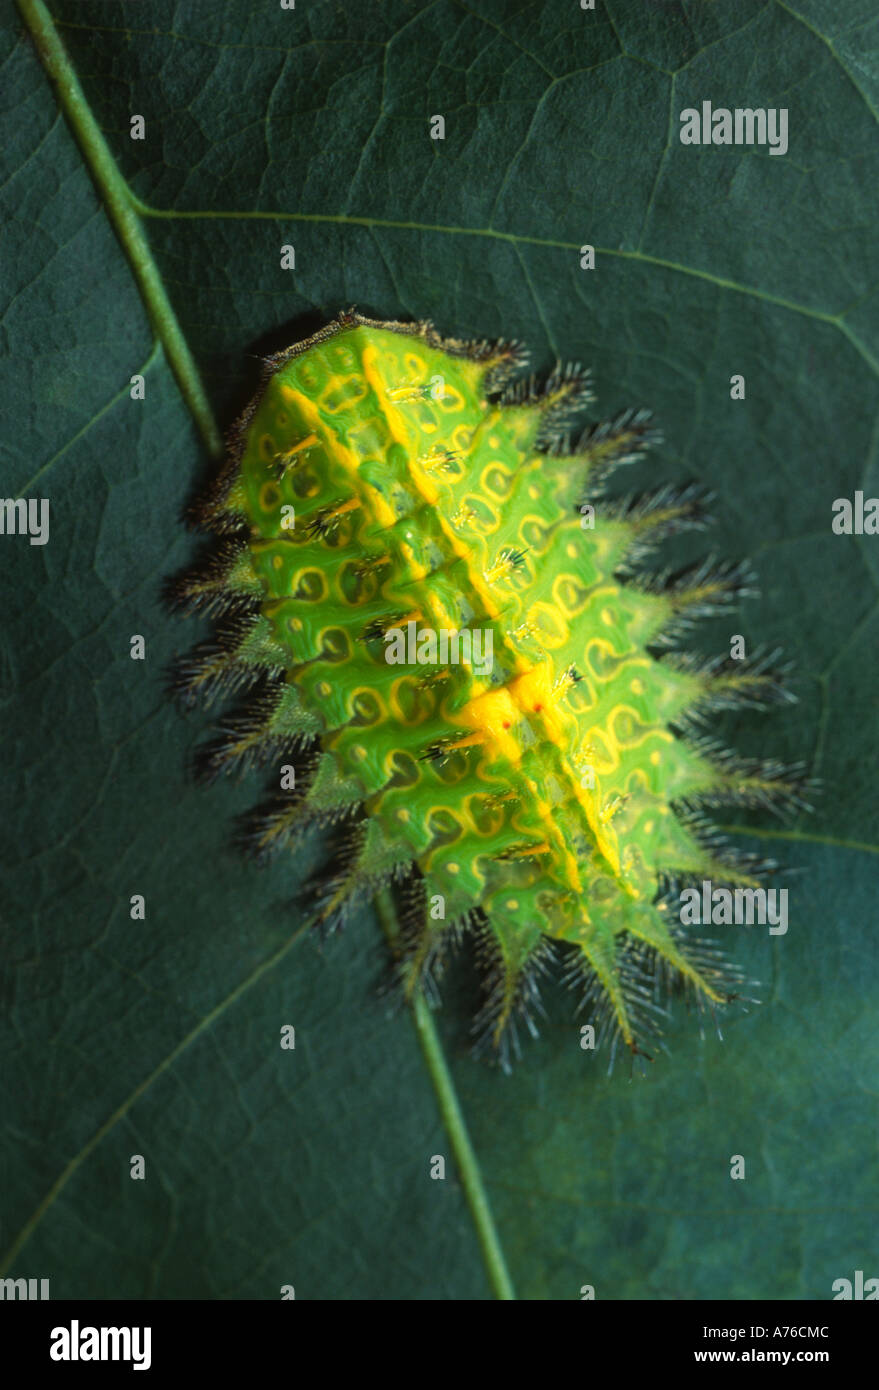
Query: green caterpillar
x=389 y=495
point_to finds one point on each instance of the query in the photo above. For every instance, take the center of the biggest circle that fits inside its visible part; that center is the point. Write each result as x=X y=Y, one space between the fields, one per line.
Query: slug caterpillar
x=389 y=495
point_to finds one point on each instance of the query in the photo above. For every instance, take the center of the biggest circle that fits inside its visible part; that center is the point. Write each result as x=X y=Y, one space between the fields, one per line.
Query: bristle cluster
x=439 y=618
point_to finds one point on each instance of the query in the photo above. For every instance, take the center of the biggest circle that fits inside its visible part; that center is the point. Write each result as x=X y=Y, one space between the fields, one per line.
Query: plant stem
x=117 y=199
x=453 y=1119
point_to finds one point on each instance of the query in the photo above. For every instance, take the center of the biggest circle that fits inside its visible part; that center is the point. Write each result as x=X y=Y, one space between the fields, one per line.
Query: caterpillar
x=444 y=632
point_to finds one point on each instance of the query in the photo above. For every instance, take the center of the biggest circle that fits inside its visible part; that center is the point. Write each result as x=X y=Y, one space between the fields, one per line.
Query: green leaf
x=162 y=257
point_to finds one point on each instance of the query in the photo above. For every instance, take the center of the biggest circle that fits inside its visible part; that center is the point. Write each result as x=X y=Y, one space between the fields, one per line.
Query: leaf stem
x=117 y=199
x=453 y=1119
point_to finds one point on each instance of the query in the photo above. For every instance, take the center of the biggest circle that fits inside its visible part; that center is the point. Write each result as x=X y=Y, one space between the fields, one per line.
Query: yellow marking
x=307 y=443
x=463 y=515
x=337 y=397
x=471 y=741
x=523 y=631
x=415 y=568
x=565 y=682
x=451 y=399
x=615 y=804
x=405 y=683
x=438 y=459
x=373 y=500
x=400 y=432
x=554 y=631
x=503 y=565
x=406 y=394
x=424 y=485
x=529 y=851
x=530 y=692
x=495 y=714
x=498 y=711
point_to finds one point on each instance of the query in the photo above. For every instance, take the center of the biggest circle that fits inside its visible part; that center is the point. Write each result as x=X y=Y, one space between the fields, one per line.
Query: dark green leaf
x=309 y=127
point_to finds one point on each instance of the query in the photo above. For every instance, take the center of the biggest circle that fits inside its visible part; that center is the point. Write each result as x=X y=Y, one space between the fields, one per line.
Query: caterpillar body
x=389 y=495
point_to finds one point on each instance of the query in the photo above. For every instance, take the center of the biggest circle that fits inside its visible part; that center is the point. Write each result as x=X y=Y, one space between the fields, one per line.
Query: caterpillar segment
x=545 y=799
